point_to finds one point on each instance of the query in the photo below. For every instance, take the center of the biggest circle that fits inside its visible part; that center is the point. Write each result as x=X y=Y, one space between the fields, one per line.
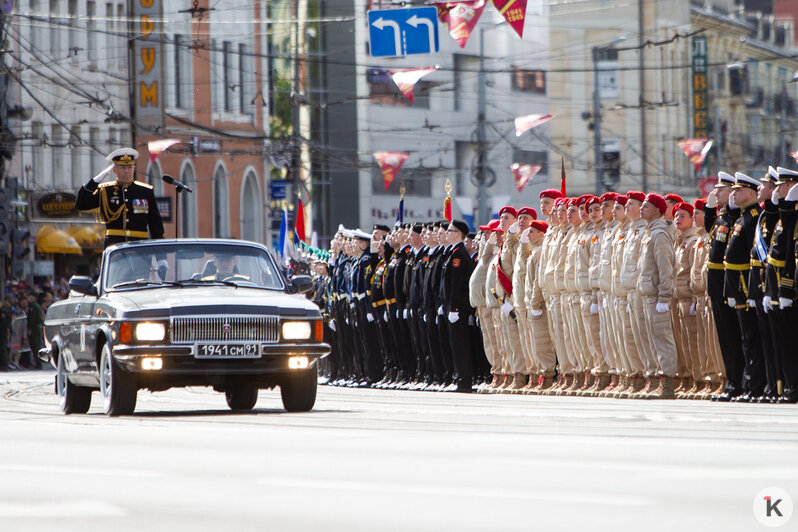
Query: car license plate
x=227 y=351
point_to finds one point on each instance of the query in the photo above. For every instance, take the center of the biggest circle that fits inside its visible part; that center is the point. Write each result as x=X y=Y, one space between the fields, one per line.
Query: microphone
x=172 y=181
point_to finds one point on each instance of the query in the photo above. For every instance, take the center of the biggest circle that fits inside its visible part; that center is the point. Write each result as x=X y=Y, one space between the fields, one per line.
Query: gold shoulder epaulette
x=146 y=185
x=107 y=184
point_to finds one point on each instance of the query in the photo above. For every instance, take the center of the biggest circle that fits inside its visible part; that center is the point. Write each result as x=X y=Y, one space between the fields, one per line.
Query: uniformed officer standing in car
x=127 y=207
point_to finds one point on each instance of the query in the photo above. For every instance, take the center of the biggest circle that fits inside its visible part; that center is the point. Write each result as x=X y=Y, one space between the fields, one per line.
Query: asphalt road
x=389 y=460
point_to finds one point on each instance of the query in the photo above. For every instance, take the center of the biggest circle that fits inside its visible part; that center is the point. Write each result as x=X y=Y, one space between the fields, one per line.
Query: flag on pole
x=696 y=150
x=514 y=12
x=299 y=227
x=447 y=202
x=400 y=216
x=525 y=123
x=283 y=242
x=407 y=78
x=523 y=174
x=156 y=147
x=390 y=162
x=460 y=17
x=562 y=179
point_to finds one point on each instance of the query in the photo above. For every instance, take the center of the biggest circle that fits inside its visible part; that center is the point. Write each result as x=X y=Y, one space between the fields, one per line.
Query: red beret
x=592 y=200
x=682 y=206
x=571 y=202
x=540 y=225
x=583 y=198
x=635 y=195
x=551 y=193
x=608 y=196
x=657 y=201
x=558 y=201
x=674 y=197
x=510 y=210
x=492 y=225
x=528 y=210
x=700 y=204
x=620 y=198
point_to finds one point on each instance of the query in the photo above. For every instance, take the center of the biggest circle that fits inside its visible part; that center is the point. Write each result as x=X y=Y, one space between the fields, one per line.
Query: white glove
x=706 y=311
x=662 y=308
x=370 y=317
x=507 y=307
x=471 y=320
x=712 y=199
x=385 y=317
x=411 y=312
x=537 y=313
x=424 y=317
x=792 y=195
x=346 y=320
x=594 y=308
x=775 y=197
x=525 y=236
x=513 y=229
x=627 y=308
x=605 y=303
x=732 y=302
x=404 y=313
x=751 y=303
x=454 y=316
x=692 y=309
x=731 y=202
x=440 y=310
x=332 y=325
x=492 y=239
x=784 y=302
x=99 y=178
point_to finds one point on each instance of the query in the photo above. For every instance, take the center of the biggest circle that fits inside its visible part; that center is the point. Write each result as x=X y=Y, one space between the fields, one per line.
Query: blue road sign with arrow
x=397 y=32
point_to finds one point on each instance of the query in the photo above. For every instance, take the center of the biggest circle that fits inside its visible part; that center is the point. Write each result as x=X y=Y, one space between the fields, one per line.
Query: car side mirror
x=82 y=285
x=302 y=283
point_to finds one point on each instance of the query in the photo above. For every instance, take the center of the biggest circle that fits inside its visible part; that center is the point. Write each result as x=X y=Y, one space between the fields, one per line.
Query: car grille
x=225 y=329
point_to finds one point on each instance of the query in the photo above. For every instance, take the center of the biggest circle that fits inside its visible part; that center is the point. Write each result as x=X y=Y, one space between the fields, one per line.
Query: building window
x=466 y=76
x=35 y=40
x=154 y=178
x=611 y=163
x=418 y=182
x=251 y=209
x=57 y=149
x=182 y=72
x=55 y=28
x=529 y=80
x=73 y=31
x=110 y=24
x=188 y=208
x=221 y=206
x=94 y=158
x=37 y=131
x=228 y=77
x=91 y=34
x=246 y=83
x=75 y=155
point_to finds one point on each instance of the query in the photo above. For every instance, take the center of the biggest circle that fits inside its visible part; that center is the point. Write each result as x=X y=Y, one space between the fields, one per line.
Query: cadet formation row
x=629 y=296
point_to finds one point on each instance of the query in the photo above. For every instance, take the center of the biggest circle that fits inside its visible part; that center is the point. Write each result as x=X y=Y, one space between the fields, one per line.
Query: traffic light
x=19 y=243
x=5 y=219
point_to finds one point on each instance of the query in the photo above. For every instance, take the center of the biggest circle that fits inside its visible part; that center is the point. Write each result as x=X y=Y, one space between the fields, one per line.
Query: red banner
x=156 y=147
x=460 y=18
x=525 y=123
x=299 y=227
x=706 y=185
x=406 y=79
x=523 y=174
x=696 y=150
x=514 y=12
x=390 y=162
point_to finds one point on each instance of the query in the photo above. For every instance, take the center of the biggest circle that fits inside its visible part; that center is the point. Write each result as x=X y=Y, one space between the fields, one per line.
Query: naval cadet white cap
x=771 y=176
x=123 y=156
x=745 y=181
x=786 y=175
x=725 y=180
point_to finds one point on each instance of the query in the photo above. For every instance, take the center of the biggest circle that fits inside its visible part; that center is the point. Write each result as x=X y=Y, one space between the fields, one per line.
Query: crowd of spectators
x=21 y=320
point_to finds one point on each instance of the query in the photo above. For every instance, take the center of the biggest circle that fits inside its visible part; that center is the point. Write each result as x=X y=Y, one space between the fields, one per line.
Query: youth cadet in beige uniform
x=476 y=294
x=566 y=284
x=548 y=273
x=544 y=360
x=525 y=216
x=508 y=218
x=500 y=368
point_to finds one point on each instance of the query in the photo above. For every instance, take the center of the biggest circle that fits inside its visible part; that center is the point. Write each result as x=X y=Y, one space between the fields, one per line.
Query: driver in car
x=224 y=265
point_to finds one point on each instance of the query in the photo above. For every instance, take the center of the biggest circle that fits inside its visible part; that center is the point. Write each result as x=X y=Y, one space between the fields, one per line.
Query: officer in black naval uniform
x=756 y=281
x=737 y=262
x=719 y=228
x=126 y=207
x=780 y=283
x=457 y=270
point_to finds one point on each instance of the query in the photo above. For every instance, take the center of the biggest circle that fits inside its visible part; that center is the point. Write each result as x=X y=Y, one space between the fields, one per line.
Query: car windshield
x=190 y=264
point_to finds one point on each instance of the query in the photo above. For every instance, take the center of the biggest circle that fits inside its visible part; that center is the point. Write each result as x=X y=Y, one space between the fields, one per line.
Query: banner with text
x=460 y=18
x=390 y=162
x=147 y=33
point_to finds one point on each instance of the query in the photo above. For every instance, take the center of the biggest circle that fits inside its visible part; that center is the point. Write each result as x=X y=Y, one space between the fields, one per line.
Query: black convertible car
x=188 y=312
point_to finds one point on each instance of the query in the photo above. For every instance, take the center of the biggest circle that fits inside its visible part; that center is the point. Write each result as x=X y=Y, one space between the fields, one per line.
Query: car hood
x=168 y=302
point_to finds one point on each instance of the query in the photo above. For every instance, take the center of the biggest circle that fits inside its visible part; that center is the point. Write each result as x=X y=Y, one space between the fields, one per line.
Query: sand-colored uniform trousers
x=603 y=358
x=476 y=296
x=571 y=303
x=510 y=333
x=655 y=286
x=547 y=268
x=544 y=359
x=566 y=352
x=683 y=303
x=609 y=348
x=709 y=358
x=588 y=321
x=629 y=275
x=500 y=362
x=519 y=302
x=628 y=360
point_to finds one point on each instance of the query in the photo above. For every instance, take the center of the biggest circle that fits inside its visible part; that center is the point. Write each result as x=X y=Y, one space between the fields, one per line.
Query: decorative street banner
x=700 y=101
x=696 y=150
x=706 y=185
x=460 y=18
x=390 y=162
x=514 y=12
x=156 y=147
x=147 y=36
x=406 y=79
x=524 y=173
x=525 y=123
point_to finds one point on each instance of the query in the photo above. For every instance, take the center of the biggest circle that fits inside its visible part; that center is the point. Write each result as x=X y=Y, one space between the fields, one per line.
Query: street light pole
x=482 y=188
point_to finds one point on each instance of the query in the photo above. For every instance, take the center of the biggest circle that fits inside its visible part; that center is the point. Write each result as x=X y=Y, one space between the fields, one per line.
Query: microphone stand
x=178 y=190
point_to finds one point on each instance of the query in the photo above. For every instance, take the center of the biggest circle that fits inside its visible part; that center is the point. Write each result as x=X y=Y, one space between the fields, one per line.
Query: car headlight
x=296 y=330
x=150 y=332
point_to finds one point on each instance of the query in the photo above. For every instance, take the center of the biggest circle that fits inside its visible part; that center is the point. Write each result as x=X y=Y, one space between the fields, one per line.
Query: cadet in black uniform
x=719 y=229
x=738 y=264
x=126 y=207
x=457 y=271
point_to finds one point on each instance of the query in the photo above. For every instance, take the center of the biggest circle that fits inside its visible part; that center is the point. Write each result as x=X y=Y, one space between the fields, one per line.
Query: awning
x=89 y=237
x=51 y=240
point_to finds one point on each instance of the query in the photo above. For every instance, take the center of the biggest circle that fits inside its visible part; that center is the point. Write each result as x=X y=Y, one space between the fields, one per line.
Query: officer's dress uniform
x=456 y=272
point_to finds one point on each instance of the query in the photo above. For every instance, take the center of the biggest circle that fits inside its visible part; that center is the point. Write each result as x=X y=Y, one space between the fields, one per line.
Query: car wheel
x=116 y=386
x=71 y=398
x=298 y=390
x=241 y=396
